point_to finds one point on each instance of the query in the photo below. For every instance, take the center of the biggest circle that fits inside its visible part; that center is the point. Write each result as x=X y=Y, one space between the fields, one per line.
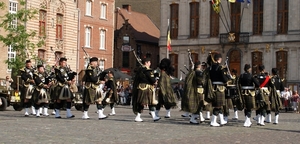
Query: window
x=258 y=16
x=103 y=11
x=42 y=23
x=126 y=39
x=102 y=39
x=174 y=21
x=41 y=54
x=214 y=23
x=194 y=57
x=281 y=63
x=11 y=55
x=125 y=62
x=174 y=60
x=235 y=17
x=101 y=64
x=256 y=61
x=282 y=16
x=59 y=24
x=13 y=7
x=88 y=8
x=194 y=19
x=88 y=37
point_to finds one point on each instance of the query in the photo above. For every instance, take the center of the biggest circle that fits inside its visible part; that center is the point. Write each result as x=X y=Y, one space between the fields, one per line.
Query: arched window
x=174 y=20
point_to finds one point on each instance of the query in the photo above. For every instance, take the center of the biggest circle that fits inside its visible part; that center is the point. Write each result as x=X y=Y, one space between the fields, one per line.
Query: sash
x=265 y=82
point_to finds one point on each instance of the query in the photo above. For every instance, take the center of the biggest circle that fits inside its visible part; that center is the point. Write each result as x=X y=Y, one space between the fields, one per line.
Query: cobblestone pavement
x=121 y=129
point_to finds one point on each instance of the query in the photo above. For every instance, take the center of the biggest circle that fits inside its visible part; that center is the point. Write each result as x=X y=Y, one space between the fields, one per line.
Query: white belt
x=247 y=87
x=264 y=88
x=218 y=83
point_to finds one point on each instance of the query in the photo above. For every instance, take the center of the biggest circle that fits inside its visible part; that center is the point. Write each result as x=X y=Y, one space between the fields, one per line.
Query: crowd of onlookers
x=290 y=99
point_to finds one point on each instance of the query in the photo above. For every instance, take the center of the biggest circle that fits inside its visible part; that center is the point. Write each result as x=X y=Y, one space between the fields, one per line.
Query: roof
x=144 y=28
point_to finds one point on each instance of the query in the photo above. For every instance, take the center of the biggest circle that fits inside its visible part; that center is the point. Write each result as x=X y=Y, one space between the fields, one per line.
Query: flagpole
x=167 y=38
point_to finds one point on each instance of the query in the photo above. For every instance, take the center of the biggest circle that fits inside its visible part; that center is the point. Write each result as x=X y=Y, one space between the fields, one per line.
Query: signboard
x=126 y=48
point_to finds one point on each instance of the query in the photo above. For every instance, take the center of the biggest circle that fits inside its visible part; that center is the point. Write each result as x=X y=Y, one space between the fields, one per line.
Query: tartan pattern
x=276 y=103
x=166 y=94
x=219 y=99
x=190 y=100
x=249 y=100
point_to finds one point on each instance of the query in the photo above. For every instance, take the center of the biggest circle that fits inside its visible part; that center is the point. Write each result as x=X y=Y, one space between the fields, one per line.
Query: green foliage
x=18 y=36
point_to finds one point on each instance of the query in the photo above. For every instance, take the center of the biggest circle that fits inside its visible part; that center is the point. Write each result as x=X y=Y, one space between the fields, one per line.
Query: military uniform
x=274 y=96
x=62 y=90
x=41 y=96
x=248 y=84
x=143 y=87
x=28 y=88
x=111 y=95
x=263 y=101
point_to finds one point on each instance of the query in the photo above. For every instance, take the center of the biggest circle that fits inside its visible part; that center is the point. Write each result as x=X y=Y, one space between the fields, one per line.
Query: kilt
x=41 y=96
x=27 y=92
x=208 y=107
x=92 y=95
x=249 y=99
x=219 y=99
x=62 y=92
x=144 y=94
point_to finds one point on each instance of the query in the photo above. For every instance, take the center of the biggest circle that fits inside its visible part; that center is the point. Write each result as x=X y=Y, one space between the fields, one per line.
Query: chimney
x=127 y=7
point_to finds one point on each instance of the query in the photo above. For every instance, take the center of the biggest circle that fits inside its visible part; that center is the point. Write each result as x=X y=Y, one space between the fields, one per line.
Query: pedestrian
x=142 y=93
x=41 y=96
x=248 y=85
x=294 y=100
x=28 y=87
x=111 y=96
x=216 y=87
x=166 y=95
x=62 y=90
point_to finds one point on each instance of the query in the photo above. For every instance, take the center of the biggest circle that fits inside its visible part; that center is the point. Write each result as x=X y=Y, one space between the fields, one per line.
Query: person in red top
x=294 y=99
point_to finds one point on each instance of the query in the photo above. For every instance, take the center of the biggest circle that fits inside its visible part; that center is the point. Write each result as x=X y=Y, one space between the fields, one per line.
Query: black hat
x=28 y=61
x=204 y=64
x=38 y=66
x=197 y=63
x=93 y=59
x=274 y=71
x=144 y=60
x=246 y=67
x=213 y=57
x=234 y=71
x=62 y=59
x=164 y=64
x=261 y=67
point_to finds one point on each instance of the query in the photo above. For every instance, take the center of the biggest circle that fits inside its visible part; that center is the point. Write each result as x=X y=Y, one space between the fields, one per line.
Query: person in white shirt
x=286 y=95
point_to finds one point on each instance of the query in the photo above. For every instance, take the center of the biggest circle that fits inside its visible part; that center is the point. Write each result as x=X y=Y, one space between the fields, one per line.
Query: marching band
x=209 y=86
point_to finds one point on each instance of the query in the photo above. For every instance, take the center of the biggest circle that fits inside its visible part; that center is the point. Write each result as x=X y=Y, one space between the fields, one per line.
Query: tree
x=17 y=36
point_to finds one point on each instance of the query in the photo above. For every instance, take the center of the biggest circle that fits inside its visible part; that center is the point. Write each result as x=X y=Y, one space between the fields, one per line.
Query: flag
x=232 y=1
x=216 y=5
x=169 y=39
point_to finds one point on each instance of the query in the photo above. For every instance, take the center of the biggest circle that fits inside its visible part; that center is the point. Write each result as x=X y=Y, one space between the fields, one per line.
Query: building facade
x=134 y=31
x=261 y=32
x=95 y=32
x=149 y=7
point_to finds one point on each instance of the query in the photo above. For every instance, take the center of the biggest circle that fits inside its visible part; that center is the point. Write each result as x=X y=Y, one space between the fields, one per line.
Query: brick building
x=136 y=31
x=95 y=32
x=56 y=24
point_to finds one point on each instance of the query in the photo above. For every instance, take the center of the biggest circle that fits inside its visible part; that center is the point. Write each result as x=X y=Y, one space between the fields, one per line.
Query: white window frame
x=87 y=37
x=10 y=55
x=103 y=11
x=102 y=64
x=88 y=7
x=102 y=39
x=13 y=8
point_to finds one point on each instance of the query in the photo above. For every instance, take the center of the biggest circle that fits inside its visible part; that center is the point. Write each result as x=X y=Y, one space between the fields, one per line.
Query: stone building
x=136 y=31
x=149 y=7
x=95 y=32
x=266 y=32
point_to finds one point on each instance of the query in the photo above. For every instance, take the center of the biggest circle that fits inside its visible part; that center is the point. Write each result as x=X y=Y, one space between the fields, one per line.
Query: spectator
x=286 y=96
x=294 y=99
x=122 y=96
x=8 y=82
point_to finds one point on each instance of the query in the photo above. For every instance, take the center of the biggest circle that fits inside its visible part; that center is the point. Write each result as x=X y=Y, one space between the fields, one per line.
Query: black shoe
x=58 y=117
x=275 y=123
x=71 y=116
x=103 y=118
x=194 y=123
x=184 y=116
x=156 y=120
x=167 y=117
